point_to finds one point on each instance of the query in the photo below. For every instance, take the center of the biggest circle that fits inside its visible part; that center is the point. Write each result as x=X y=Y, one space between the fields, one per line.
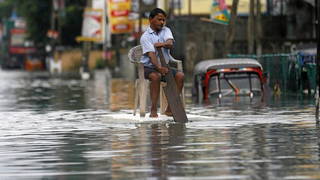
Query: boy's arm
x=154 y=61
x=168 y=44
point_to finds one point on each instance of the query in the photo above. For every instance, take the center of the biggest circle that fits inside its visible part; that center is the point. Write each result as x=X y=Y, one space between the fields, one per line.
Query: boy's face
x=158 y=22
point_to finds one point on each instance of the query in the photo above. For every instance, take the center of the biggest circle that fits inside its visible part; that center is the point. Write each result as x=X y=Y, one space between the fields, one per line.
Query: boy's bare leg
x=154 y=93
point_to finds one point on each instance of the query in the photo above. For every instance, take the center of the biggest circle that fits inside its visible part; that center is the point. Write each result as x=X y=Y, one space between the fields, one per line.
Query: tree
x=37 y=14
x=71 y=23
x=6 y=8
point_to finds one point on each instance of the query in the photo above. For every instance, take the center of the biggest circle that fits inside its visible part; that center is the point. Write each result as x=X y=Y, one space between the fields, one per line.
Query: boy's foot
x=168 y=113
x=153 y=115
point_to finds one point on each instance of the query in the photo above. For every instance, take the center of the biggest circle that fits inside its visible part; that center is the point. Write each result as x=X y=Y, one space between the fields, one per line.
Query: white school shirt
x=147 y=41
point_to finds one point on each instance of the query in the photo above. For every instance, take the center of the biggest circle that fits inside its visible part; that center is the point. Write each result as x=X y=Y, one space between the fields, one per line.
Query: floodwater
x=66 y=128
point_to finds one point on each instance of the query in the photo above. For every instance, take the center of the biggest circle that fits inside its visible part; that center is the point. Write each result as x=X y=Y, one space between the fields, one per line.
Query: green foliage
x=37 y=14
x=6 y=8
x=101 y=63
x=72 y=21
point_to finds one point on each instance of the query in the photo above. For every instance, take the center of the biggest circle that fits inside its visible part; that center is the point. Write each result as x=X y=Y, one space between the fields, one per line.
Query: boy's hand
x=162 y=70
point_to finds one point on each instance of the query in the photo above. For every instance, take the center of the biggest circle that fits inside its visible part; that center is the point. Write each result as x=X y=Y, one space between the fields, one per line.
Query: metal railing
x=295 y=72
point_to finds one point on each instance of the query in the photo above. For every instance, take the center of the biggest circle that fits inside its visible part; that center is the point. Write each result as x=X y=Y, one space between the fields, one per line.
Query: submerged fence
x=294 y=72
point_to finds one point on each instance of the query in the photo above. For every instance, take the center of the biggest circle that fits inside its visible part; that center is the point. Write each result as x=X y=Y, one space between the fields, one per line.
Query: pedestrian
x=157 y=36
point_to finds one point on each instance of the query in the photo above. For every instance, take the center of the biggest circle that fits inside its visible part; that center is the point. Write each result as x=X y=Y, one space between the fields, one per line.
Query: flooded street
x=66 y=128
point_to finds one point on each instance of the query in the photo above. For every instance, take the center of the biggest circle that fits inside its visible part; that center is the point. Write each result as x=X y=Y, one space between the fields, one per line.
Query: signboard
x=203 y=7
x=92 y=27
x=118 y=13
x=17 y=42
x=219 y=12
x=98 y=4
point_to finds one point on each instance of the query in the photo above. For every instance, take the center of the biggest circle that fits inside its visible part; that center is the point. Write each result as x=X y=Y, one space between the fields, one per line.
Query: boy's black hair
x=156 y=11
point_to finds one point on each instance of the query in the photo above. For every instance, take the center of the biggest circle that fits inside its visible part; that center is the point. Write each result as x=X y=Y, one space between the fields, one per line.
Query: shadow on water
x=56 y=128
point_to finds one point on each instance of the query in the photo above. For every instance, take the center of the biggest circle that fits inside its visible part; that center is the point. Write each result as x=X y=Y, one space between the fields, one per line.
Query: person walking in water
x=157 y=36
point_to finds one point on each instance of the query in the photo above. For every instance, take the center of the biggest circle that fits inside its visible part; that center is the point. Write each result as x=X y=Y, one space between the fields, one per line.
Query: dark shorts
x=149 y=70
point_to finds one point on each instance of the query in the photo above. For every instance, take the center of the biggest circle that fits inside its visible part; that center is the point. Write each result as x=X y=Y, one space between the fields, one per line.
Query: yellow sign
x=120 y=6
x=118 y=13
x=81 y=38
x=121 y=25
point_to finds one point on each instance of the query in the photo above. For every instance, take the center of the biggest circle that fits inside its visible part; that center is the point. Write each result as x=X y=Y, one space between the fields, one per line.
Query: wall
x=71 y=59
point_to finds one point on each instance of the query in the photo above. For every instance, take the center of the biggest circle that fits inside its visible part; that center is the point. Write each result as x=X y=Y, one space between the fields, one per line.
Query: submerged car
x=225 y=77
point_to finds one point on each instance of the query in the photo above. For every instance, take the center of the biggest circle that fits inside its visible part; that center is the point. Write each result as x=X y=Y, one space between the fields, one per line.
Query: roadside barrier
x=294 y=72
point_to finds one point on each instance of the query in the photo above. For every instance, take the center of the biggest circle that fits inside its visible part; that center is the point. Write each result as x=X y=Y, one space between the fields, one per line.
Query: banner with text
x=219 y=12
x=118 y=14
x=92 y=27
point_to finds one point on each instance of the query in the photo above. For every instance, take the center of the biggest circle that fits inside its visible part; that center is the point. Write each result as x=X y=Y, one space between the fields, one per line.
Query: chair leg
x=143 y=97
x=163 y=99
x=183 y=98
x=136 y=97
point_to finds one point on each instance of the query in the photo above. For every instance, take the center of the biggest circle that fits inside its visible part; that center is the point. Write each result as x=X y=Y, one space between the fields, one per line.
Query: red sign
x=18 y=31
x=121 y=27
x=52 y=34
x=120 y=13
x=21 y=50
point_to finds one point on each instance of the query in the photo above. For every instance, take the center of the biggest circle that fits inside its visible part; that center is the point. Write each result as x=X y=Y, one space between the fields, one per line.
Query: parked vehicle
x=34 y=62
x=224 y=77
x=15 y=46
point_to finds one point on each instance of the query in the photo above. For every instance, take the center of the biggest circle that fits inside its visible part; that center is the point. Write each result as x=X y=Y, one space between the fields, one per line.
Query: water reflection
x=38 y=91
x=56 y=128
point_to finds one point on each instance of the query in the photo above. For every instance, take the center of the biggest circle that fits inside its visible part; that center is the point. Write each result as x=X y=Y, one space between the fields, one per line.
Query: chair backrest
x=135 y=54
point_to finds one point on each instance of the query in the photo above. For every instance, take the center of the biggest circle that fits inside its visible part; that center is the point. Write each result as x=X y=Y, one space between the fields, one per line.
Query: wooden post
x=171 y=91
x=231 y=28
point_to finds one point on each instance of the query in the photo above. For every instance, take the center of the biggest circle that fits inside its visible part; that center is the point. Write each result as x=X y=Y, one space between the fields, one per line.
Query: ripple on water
x=55 y=128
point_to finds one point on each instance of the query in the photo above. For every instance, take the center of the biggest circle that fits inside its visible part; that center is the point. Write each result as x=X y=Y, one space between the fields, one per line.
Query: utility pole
x=84 y=71
x=53 y=27
x=317 y=8
x=258 y=29
x=179 y=4
x=50 y=47
x=189 y=8
x=254 y=28
x=251 y=29
x=231 y=27
x=140 y=18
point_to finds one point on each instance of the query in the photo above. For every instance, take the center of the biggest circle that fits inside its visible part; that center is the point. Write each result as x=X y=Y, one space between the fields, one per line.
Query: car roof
x=205 y=65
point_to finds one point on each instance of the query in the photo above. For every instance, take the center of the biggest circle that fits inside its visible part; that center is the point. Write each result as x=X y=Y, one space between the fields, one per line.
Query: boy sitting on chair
x=158 y=36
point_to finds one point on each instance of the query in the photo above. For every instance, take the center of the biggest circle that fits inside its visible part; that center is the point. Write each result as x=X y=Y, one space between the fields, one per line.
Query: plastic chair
x=142 y=84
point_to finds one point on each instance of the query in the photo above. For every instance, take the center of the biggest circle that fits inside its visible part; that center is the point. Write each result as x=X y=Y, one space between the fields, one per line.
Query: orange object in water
x=33 y=65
